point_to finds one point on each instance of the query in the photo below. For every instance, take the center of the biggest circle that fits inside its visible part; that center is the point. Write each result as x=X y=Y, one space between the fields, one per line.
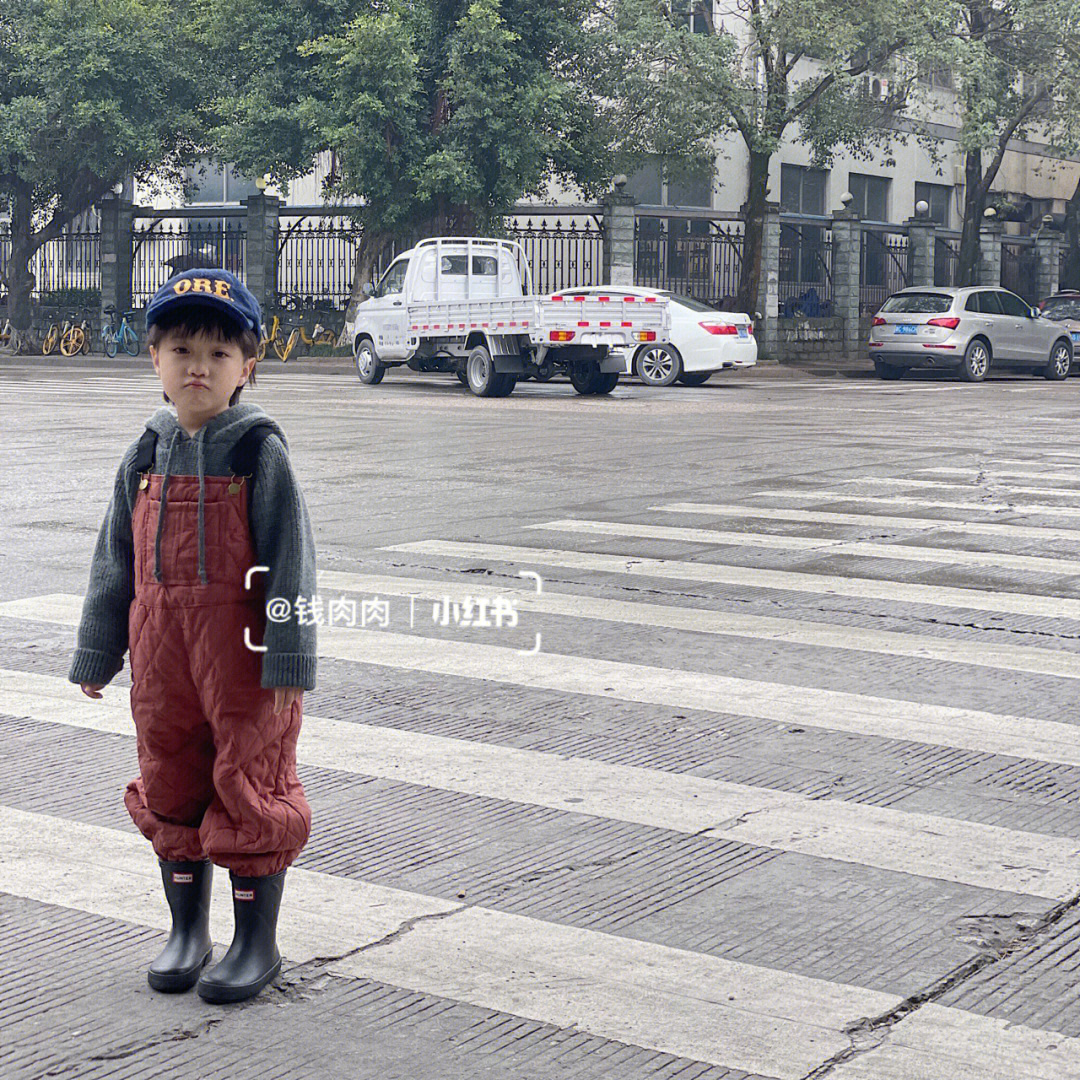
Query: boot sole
x=230 y=994
x=176 y=982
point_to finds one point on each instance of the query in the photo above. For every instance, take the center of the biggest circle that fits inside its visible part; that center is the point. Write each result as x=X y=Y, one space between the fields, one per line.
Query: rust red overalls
x=218 y=768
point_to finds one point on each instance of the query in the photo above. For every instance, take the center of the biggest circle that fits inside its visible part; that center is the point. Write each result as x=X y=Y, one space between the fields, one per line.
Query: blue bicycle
x=116 y=336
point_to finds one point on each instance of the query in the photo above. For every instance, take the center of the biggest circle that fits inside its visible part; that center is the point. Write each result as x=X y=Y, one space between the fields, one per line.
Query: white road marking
x=881 y=521
x=1014 y=603
x=901 y=481
x=820 y=545
x=1004 y=474
x=933 y=504
x=912 y=843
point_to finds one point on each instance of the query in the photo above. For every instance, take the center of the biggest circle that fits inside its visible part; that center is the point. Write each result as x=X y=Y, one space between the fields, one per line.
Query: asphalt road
x=766 y=763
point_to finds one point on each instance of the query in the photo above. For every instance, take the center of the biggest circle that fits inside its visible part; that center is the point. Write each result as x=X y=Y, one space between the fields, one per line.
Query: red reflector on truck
x=645 y=335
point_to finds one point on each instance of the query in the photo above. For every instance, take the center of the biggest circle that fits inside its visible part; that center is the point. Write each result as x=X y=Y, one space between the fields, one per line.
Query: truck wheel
x=483 y=379
x=368 y=367
x=506 y=385
x=606 y=381
x=583 y=377
x=462 y=377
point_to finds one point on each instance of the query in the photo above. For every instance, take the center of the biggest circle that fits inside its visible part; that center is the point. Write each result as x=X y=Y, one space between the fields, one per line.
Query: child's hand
x=92 y=689
x=285 y=697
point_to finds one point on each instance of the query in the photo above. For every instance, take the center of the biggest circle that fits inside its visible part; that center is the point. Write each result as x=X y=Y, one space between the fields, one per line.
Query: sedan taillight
x=719 y=328
x=950 y=323
x=750 y=329
x=879 y=321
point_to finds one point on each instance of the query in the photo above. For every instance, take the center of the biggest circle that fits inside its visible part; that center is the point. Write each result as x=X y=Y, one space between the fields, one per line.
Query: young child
x=206 y=494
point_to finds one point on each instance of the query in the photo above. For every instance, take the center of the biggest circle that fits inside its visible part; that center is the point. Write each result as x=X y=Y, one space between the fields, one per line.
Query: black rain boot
x=253 y=958
x=189 y=948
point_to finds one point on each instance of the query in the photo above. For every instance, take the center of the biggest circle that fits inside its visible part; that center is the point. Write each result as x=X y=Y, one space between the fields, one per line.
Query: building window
x=209 y=182
x=802 y=190
x=802 y=246
x=870 y=196
x=937 y=197
x=694 y=15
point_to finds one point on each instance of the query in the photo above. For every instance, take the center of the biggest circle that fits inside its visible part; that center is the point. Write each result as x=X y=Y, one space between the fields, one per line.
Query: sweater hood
x=221 y=434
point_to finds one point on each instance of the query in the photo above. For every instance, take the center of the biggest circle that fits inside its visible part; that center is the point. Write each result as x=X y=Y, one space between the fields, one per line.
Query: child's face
x=199 y=374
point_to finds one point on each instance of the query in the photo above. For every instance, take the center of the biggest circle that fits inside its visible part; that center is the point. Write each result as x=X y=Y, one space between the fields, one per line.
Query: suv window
x=918 y=303
x=393 y=280
x=987 y=303
x=1013 y=305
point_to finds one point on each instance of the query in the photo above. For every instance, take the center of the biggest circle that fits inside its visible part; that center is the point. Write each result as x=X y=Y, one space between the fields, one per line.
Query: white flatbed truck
x=465 y=306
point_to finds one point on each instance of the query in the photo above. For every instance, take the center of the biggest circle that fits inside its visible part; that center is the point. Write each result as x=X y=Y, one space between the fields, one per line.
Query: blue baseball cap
x=211 y=287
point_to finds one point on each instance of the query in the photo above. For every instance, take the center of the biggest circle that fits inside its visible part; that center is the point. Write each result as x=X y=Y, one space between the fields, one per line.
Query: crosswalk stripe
x=833 y=710
x=820 y=545
x=1042 y=661
x=696 y=1006
x=994 y=474
x=1014 y=603
x=903 y=481
x=885 y=521
x=692 y=1005
x=933 y=504
x=935 y=1042
x=970 y=853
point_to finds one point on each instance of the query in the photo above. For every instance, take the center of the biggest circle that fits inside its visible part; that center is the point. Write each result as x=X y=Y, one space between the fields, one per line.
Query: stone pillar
x=117 y=215
x=1047 y=261
x=847 y=276
x=766 y=328
x=921 y=250
x=988 y=268
x=619 y=217
x=260 y=262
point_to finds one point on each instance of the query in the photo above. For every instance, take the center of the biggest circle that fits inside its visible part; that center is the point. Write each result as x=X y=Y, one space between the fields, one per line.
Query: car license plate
x=905 y=328
x=1075 y=335
x=602 y=339
x=743 y=332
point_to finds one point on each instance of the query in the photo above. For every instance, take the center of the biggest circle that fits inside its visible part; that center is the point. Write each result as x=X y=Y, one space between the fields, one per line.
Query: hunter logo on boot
x=244 y=894
x=183 y=879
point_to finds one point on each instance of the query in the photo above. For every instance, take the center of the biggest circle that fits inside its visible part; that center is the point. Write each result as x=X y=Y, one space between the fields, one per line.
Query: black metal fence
x=70 y=263
x=883 y=268
x=805 y=271
x=563 y=251
x=946 y=261
x=316 y=259
x=168 y=245
x=695 y=257
x=1018 y=268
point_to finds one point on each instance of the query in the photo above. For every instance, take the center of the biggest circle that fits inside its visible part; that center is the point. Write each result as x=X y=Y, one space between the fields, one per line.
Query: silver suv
x=966 y=330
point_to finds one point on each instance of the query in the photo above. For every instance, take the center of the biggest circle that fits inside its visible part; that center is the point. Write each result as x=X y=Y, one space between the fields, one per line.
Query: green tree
x=788 y=67
x=440 y=114
x=91 y=91
x=1016 y=63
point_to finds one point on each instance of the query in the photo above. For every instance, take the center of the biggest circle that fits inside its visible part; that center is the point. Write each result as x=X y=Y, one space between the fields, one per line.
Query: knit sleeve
x=103 y=629
x=283 y=542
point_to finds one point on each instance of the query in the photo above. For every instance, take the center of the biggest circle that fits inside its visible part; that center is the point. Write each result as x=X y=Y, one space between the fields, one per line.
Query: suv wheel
x=1060 y=361
x=976 y=362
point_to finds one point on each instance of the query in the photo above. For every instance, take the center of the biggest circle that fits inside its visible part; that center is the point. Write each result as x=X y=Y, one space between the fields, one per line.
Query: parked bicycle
x=283 y=339
x=119 y=335
x=75 y=337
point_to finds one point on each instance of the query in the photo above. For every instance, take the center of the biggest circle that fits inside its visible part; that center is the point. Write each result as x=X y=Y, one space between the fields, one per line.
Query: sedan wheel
x=1060 y=361
x=976 y=362
x=657 y=365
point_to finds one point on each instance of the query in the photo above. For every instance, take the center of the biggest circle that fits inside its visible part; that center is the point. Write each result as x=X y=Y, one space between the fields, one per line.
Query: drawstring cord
x=200 y=442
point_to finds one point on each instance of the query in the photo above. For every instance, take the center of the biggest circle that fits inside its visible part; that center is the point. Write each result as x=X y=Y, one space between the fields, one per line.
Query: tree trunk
x=1070 y=255
x=976 y=190
x=757 y=194
x=369 y=254
x=19 y=280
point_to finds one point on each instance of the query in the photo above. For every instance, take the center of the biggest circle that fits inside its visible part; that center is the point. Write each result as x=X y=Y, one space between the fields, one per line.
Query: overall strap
x=144 y=455
x=244 y=457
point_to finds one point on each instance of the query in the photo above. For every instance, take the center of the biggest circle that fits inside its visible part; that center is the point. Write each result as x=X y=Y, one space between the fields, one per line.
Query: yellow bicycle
x=51 y=340
x=319 y=336
x=282 y=338
x=75 y=337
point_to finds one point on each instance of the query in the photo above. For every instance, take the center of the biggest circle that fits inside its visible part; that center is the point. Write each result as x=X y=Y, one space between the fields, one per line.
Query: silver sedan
x=966 y=330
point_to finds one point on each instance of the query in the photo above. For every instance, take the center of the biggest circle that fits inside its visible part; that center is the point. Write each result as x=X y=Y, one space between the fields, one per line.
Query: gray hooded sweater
x=280 y=533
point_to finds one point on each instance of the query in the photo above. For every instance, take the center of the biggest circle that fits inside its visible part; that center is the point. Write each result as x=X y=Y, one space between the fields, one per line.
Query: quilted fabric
x=217 y=766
